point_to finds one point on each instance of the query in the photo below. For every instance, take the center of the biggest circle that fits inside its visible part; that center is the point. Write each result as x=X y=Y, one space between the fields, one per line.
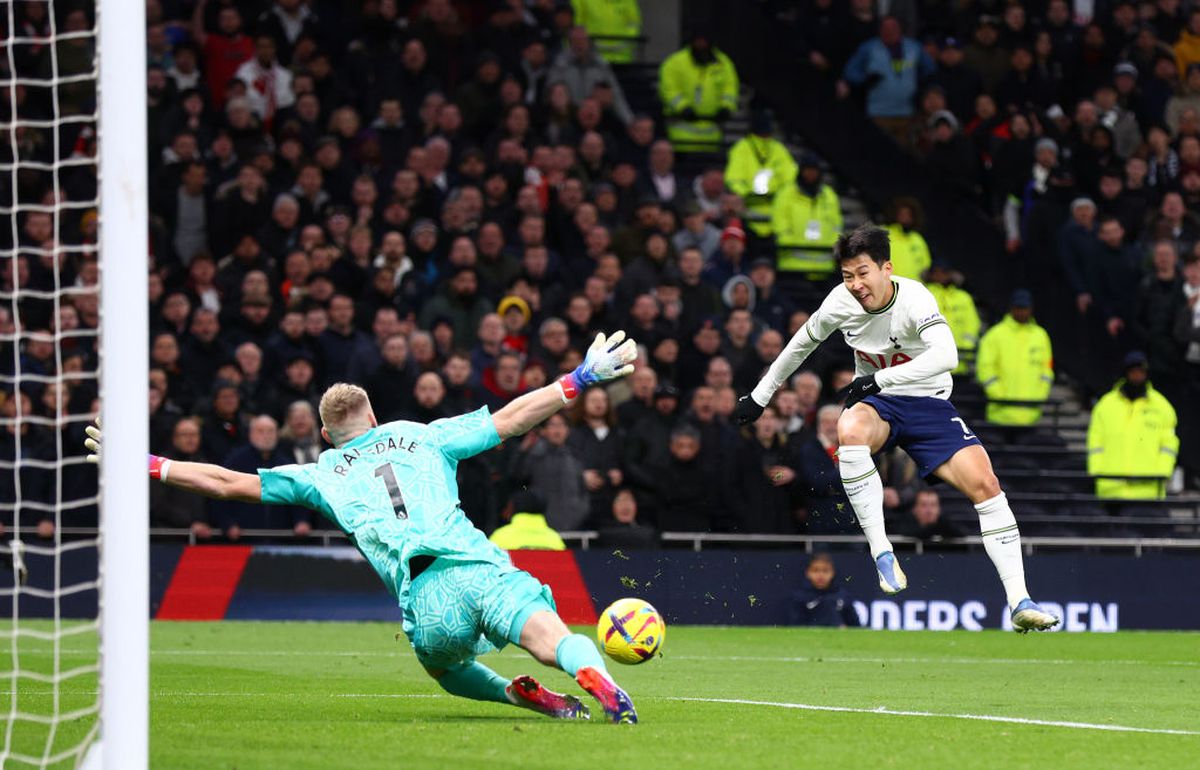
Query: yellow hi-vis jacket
x=1016 y=363
x=611 y=19
x=806 y=229
x=959 y=309
x=528 y=531
x=910 y=253
x=758 y=168
x=1135 y=438
x=706 y=89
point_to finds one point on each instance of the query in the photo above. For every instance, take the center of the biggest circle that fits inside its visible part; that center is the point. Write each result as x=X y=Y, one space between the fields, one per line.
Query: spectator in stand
x=262 y=451
x=527 y=528
x=958 y=307
x=1132 y=433
x=1016 y=363
x=960 y=83
x=268 y=83
x=889 y=67
x=698 y=86
x=926 y=523
x=460 y=302
x=827 y=509
x=910 y=254
x=225 y=427
x=1187 y=333
x=759 y=166
x=771 y=306
x=596 y=440
x=1078 y=246
x=806 y=218
x=301 y=436
x=764 y=483
x=581 y=68
x=224 y=50
x=647 y=444
x=553 y=472
x=171 y=507
x=1160 y=299
x=820 y=602
x=1117 y=267
x=1185 y=100
x=685 y=490
x=729 y=260
x=622 y=529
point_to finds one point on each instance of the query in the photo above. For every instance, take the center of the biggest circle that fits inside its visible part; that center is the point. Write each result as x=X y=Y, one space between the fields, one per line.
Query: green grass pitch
x=348 y=695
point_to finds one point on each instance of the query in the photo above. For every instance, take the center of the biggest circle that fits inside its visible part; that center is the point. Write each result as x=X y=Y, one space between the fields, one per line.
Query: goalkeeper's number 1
x=388 y=474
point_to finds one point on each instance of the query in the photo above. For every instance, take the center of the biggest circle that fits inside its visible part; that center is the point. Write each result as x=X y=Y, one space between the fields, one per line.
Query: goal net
x=69 y=247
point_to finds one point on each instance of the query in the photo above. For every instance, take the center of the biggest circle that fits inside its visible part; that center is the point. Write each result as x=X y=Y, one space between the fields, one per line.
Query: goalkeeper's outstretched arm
x=608 y=358
x=202 y=478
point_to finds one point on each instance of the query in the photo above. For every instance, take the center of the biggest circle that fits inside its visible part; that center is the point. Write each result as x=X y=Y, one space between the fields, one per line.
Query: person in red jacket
x=224 y=51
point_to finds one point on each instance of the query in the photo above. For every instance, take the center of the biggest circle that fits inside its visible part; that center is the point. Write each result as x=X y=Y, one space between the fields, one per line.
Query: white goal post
x=124 y=346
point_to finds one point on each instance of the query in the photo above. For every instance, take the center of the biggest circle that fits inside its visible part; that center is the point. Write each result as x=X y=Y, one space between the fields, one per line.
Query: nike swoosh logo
x=851 y=334
x=813 y=604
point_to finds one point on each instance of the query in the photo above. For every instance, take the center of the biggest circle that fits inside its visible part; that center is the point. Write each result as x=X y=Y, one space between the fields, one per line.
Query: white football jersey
x=886 y=342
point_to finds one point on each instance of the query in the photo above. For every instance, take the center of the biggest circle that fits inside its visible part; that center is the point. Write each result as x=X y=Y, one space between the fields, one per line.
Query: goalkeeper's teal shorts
x=458 y=610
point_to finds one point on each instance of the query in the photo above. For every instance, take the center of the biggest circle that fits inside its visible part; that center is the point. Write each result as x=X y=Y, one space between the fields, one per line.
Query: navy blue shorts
x=929 y=429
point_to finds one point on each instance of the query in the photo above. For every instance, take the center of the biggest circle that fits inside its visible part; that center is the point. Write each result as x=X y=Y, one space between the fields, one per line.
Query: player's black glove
x=747 y=410
x=859 y=389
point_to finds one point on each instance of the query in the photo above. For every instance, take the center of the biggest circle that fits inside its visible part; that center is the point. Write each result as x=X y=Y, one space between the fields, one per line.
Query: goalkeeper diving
x=392 y=489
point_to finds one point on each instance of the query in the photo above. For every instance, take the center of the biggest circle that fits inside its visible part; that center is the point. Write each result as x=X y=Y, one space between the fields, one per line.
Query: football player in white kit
x=903 y=354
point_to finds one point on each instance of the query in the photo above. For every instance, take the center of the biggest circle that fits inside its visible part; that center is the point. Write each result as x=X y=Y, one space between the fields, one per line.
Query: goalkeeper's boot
x=527 y=692
x=891 y=578
x=618 y=706
x=1028 y=616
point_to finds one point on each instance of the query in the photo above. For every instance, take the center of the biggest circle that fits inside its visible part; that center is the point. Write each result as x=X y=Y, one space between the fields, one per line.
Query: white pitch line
x=881 y=710
x=968 y=661
x=976 y=717
x=404 y=650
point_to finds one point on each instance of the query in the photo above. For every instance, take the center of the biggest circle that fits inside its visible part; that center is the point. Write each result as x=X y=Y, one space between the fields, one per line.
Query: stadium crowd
x=445 y=201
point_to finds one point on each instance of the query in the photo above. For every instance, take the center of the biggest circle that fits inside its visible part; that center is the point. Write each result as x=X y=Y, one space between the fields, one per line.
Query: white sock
x=861 y=480
x=1002 y=540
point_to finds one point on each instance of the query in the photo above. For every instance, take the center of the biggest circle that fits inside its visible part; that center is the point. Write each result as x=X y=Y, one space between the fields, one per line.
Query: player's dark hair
x=867 y=240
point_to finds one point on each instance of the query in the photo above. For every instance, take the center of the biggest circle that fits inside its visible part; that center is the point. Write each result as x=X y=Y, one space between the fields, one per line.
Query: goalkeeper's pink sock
x=577 y=651
x=475 y=681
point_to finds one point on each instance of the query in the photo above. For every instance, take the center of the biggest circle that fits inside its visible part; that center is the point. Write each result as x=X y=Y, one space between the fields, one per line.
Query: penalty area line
x=931 y=714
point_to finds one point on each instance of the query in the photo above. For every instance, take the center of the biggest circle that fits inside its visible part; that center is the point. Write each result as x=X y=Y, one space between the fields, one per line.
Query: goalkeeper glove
x=608 y=358
x=158 y=466
x=747 y=410
x=859 y=389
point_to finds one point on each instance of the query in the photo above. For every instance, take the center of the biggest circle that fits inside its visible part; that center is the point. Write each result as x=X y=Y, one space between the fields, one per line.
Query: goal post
x=124 y=357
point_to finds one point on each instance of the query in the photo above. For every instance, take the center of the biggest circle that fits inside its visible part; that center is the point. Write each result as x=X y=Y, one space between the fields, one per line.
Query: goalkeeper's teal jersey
x=394 y=491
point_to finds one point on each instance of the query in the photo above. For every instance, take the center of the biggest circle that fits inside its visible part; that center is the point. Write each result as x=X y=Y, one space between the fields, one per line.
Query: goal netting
x=58 y=278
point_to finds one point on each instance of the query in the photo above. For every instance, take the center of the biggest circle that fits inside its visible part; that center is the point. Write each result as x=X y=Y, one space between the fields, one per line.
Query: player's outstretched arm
x=202 y=478
x=608 y=358
x=750 y=406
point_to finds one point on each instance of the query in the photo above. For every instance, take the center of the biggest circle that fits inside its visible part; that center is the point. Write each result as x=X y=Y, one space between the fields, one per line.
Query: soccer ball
x=630 y=631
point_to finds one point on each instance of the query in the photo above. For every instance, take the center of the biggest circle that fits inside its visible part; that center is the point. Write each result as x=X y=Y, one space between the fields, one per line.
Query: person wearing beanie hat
x=1015 y=363
x=806 y=218
x=759 y=167
x=1132 y=433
